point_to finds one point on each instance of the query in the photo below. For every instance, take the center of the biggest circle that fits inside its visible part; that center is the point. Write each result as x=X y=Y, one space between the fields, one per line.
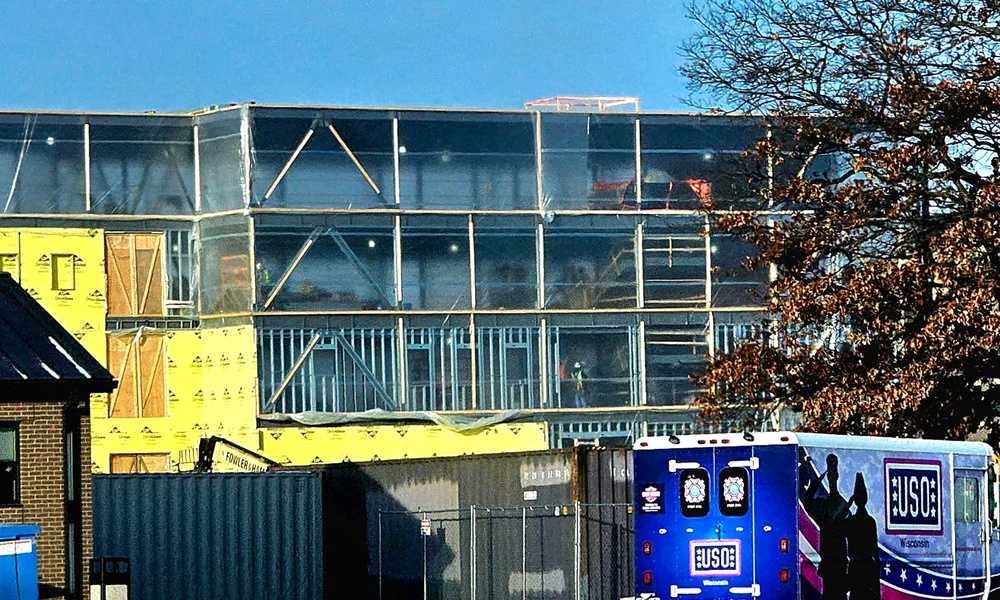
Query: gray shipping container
x=554 y=525
x=213 y=536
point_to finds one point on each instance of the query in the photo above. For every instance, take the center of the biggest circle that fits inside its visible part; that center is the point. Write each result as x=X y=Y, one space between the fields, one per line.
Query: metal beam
x=295 y=263
x=288 y=164
x=295 y=369
x=357 y=163
x=359 y=362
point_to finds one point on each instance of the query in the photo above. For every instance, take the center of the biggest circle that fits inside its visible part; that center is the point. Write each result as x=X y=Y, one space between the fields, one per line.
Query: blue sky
x=159 y=55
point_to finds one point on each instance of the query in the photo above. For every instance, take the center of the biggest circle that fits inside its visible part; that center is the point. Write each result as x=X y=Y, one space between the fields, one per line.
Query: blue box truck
x=782 y=515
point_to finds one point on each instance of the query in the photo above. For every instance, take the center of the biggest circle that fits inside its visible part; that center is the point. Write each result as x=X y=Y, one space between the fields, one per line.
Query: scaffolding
x=584 y=103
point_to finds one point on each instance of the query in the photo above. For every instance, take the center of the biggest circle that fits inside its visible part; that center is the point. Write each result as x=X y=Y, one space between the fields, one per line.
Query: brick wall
x=43 y=486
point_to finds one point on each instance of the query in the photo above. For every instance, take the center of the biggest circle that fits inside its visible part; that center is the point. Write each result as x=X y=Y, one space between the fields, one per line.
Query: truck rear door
x=715 y=555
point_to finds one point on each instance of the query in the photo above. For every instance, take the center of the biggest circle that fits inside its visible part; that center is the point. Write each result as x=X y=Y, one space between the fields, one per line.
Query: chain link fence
x=551 y=552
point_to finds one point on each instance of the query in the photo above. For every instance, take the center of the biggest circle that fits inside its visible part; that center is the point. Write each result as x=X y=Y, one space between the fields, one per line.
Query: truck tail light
x=647 y=578
x=783 y=575
x=783 y=544
x=647 y=548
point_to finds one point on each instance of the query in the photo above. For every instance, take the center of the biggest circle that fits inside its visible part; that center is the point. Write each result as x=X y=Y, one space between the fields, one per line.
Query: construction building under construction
x=319 y=284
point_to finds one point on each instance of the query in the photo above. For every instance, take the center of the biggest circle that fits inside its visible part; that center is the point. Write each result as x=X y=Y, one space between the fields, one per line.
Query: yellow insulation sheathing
x=210 y=378
x=64 y=270
x=314 y=445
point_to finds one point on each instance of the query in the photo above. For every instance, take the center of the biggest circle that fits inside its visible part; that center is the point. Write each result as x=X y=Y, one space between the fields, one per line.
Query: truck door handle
x=674 y=465
x=753 y=590
x=679 y=591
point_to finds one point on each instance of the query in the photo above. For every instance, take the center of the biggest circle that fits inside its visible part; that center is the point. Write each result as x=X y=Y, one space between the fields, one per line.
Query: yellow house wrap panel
x=64 y=270
x=312 y=445
x=207 y=375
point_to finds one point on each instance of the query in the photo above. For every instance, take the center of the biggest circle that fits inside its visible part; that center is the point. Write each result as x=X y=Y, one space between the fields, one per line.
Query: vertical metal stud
x=395 y=159
x=638 y=164
x=472 y=264
x=540 y=265
x=86 y=166
x=539 y=167
x=643 y=384
x=197 y=170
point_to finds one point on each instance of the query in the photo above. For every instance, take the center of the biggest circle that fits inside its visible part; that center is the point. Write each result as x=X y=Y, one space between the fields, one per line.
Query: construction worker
x=577 y=375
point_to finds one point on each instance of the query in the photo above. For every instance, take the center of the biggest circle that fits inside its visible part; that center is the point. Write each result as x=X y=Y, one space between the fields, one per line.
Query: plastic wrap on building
x=214 y=537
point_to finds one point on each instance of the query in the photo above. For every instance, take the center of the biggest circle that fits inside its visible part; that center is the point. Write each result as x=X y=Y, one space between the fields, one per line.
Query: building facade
x=324 y=283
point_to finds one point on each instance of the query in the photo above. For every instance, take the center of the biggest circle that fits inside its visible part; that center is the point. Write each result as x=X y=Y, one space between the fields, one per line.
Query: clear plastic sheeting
x=734 y=285
x=594 y=366
x=590 y=263
x=436 y=268
x=465 y=424
x=692 y=162
x=508 y=368
x=438 y=369
x=322 y=159
x=506 y=272
x=588 y=161
x=42 y=164
x=673 y=352
x=733 y=327
x=225 y=265
x=674 y=262
x=221 y=157
x=142 y=165
x=343 y=263
x=477 y=161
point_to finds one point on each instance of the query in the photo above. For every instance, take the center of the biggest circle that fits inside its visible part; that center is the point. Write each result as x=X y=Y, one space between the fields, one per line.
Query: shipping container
x=233 y=536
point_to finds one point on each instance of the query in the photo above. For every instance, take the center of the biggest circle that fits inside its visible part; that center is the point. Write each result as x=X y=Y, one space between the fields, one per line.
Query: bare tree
x=879 y=212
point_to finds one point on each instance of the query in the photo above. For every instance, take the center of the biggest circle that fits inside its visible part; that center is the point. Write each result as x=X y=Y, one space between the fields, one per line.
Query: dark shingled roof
x=36 y=351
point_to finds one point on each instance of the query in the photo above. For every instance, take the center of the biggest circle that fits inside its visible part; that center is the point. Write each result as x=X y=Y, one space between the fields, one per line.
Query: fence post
x=472 y=552
x=576 y=553
x=524 y=553
x=380 y=554
x=424 y=538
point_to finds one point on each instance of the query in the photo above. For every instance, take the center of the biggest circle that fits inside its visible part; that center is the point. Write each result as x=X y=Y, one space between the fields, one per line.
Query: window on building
x=10 y=488
x=180 y=271
x=63 y=272
x=153 y=462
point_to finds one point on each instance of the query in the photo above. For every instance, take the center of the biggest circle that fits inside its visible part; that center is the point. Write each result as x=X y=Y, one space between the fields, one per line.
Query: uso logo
x=913 y=496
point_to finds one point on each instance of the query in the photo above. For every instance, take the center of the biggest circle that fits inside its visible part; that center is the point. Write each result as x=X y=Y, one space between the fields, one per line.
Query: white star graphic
x=960 y=587
x=920 y=580
x=895 y=496
x=933 y=512
x=902 y=575
x=887 y=569
x=934 y=584
x=933 y=497
x=895 y=511
x=947 y=587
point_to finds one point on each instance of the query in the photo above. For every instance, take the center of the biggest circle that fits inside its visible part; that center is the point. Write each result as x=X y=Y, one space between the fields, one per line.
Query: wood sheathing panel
x=135 y=274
